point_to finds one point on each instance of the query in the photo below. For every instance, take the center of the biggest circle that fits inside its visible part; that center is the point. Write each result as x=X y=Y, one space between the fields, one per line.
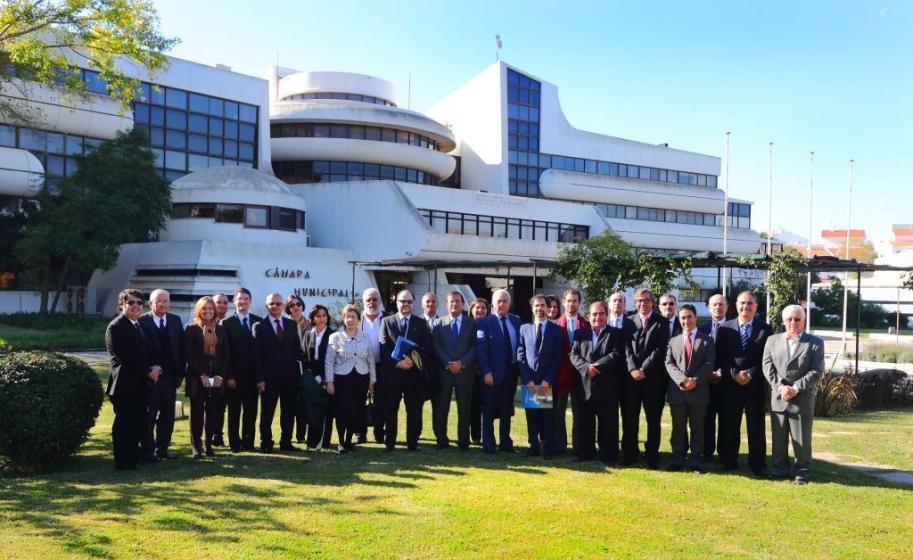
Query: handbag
x=370 y=411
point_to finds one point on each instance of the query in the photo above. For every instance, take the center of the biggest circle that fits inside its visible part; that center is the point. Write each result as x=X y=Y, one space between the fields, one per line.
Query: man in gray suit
x=454 y=338
x=793 y=362
x=690 y=358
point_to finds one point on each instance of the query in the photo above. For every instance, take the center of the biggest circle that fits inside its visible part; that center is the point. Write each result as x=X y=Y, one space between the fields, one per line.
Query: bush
x=49 y=402
x=879 y=388
x=54 y=332
x=835 y=395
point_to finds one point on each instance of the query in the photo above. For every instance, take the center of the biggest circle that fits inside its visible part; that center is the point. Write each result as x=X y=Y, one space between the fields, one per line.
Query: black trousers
x=589 y=413
x=349 y=403
x=715 y=421
x=412 y=395
x=328 y=418
x=378 y=427
x=242 y=427
x=497 y=403
x=205 y=411
x=448 y=384
x=285 y=397
x=687 y=418
x=651 y=395
x=475 y=411
x=128 y=429
x=160 y=417
x=750 y=401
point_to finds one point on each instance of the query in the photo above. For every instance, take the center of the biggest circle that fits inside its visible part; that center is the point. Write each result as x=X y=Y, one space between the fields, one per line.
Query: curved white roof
x=235 y=185
x=353 y=112
x=335 y=82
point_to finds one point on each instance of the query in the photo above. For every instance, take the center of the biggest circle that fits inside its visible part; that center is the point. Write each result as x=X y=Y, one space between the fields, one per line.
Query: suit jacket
x=277 y=362
x=801 y=372
x=490 y=346
x=703 y=358
x=723 y=345
x=242 y=367
x=316 y=364
x=419 y=333
x=608 y=355
x=198 y=363
x=749 y=358
x=567 y=375
x=450 y=349
x=132 y=356
x=645 y=349
x=175 y=329
x=538 y=364
x=676 y=326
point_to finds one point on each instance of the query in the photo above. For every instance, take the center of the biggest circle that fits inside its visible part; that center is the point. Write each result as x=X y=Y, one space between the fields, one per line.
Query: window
x=230 y=213
x=287 y=219
x=175 y=98
x=256 y=216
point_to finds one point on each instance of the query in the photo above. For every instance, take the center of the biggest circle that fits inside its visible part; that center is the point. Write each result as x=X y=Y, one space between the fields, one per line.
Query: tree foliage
x=116 y=196
x=45 y=41
x=829 y=308
x=603 y=264
x=908 y=282
x=783 y=283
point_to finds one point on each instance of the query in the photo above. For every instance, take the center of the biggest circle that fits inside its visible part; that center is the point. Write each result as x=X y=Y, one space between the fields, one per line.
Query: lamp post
x=846 y=275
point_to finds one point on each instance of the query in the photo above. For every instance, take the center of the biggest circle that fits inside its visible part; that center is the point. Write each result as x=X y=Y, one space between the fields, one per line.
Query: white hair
x=370 y=291
x=790 y=309
x=497 y=293
x=159 y=292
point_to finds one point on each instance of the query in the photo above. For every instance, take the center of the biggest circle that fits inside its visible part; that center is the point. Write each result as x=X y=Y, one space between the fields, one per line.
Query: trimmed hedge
x=49 y=402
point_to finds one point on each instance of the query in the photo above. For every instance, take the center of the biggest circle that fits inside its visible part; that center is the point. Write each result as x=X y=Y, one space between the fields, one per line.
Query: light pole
x=846 y=275
x=808 y=245
x=726 y=218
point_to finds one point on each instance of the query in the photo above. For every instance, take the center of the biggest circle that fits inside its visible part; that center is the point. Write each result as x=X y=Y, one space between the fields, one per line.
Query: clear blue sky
x=829 y=76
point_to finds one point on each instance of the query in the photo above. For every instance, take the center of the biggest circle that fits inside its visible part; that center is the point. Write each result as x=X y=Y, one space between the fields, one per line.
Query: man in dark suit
x=744 y=388
x=371 y=320
x=569 y=323
x=667 y=308
x=278 y=350
x=598 y=357
x=454 y=339
x=689 y=360
x=539 y=356
x=646 y=381
x=404 y=380
x=429 y=314
x=793 y=364
x=722 y=342
x=170 y=338
x=497 y=339
x=133 y=349
x=241 y=380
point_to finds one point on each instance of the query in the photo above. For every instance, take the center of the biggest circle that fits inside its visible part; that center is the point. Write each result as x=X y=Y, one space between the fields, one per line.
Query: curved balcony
x=21 y=174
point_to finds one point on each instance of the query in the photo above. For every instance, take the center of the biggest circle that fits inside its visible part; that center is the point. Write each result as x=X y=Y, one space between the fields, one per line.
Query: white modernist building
x=345 y=190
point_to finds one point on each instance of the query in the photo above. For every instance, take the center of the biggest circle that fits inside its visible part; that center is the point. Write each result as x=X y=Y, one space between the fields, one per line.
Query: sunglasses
x=409 y=301
x=295 y=304
x=274 y=303
x=668 y=303
x=133 y=302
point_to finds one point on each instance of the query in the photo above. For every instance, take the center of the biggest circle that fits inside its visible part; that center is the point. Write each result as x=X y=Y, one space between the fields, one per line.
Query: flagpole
x=846 y=274
x=808 y=246
x=770 y=202
x=726 y=218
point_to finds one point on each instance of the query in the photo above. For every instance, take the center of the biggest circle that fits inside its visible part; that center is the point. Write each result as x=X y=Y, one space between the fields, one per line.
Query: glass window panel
x=175 y=160
x=645 y=173
x=372 y=171
x=534 y=114
x=34 y=140
x=711 y=181
x=176 y=119
x=54 y=165
x=512 y=126
x=526 y=229
x=94 y=83
x=402 y=137
x=523 y=113
x=745 y=223
x=8 y=136
x=230 y=213
x=157 y=96
x=216 y=107
x=338 y=131
x=231 y=130
x=400 y=173
x=74 y=144
x=662 y=175
x=140 y=113
x=603 y=168
x=144 y=92
x=157 y=116
x=159 y=157
x=633 y=171
x=372 y=133
x=231 y=110
x=590 y=166
x=215 y=127
x=54 y=142
x=195 y=162
x=386 y=172
x=230 y=149
x=579 y=165
x=197 y=143
x=197 y=123
x=247 y=113
x=631 y=212
x=202 y=210
x=256 y=216
x=246 y=151
x=176 y=140
x=673 y=176
x=702 y=180
x=157 y=136
x=176 y=98
x=356 y=132
x=353 y=168
x=287 y=219
x=411 y=175
x=215 y=146
x=199 y=103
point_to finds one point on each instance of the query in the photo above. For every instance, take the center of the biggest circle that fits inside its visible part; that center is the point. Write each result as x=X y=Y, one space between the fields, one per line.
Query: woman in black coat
x=318 y=403
x=207 y=351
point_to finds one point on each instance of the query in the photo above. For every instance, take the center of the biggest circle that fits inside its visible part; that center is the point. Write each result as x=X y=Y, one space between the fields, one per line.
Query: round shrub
x=48 y=404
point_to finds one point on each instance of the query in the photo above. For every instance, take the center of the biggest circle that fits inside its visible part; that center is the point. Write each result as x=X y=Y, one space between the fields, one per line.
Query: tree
x=829 y=303
x=603 y=264
x=43 y=41
x=783 y=283
x=908 y=282
x=116 y=196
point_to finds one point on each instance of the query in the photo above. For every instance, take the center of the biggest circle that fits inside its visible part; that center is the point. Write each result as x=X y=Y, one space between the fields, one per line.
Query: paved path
x=884 y=472
x=90 y=356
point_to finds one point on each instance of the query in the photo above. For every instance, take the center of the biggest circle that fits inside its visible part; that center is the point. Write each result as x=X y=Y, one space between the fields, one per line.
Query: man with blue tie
x=539 y=356
x=722 y=341
x=241 y=380
x=744 y=388
x=496 y=353
x=454 y=339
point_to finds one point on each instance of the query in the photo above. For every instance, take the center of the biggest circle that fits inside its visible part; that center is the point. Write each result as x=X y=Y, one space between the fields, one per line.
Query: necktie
x=618 y=323
x=405 y=326
x=278 y=330
x=162 y=323
x=688 y=349
x=139 y=329
x=455 y=328
x=539 y=329
x=646 y=322
x=671 y=327
x=508 y=345
x=745 y=335
x=713 y=329
x=246 y=324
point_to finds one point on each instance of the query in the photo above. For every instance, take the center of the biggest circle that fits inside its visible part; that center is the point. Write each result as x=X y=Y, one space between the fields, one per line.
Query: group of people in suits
x=602 y=364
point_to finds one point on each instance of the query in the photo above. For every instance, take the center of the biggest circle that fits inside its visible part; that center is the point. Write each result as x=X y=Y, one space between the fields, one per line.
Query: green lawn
x=448 y=504
x=884 y=437
x=28 y=331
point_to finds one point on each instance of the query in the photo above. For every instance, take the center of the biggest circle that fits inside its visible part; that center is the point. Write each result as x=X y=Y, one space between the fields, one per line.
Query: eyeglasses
x=668 y=303
x=274 y=303
x=295 y=304
x=642 y=300
x=409 y=301
x=134 y=302
x=794 y=320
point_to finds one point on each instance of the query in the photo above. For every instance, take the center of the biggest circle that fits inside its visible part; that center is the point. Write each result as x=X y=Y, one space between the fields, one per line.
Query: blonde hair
x=346 y=309
x=198 y=309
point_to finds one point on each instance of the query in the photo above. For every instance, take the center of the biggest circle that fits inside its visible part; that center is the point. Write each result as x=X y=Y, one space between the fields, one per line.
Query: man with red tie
x=570 y=322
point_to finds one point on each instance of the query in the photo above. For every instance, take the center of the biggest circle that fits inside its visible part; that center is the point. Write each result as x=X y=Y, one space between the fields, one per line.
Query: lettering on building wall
x=320 y=292
x=299 y=274
x=287 y=273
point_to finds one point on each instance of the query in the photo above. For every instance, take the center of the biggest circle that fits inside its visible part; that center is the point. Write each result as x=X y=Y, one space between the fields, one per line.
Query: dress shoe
x=210 y=452
x=289 y=448
x=477 y=441
x=248 y=448
x=235 y=448
x=760 y=473
x=507 y=449
x=360 y=439
x=342 y=449
x=413 y=447
x=674 y=468
x=196 y=455
x=800 y=481
x=300 y=439
x=490 y=451
x=548 y=456
x=464 y=448
x=698 y=470
x=531 y=453
x=442 y=446
x=583 y=459
x=388 y=449
x=218 y=440
x=266 y=448
x=167 y=456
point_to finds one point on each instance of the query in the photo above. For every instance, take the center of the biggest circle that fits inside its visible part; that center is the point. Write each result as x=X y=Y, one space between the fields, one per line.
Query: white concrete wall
x=476 y=115
x=28 y=302
x=21 y=174
x=335 y=82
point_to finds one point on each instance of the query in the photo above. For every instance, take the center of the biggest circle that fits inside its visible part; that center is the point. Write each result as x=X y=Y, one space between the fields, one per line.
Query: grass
x=881 y=436
x=30 y=331
x=448 y=504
